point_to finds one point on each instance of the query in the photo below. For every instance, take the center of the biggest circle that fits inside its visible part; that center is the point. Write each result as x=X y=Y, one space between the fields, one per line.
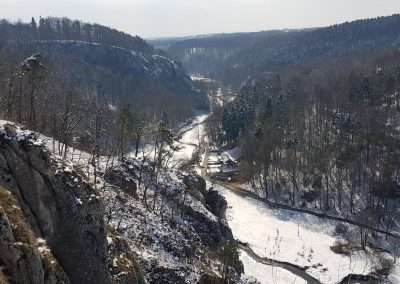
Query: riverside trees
x=322 y=134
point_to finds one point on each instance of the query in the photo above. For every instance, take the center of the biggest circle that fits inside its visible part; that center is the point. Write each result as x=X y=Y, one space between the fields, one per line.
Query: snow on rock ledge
x=47 y=193
x=174 y=242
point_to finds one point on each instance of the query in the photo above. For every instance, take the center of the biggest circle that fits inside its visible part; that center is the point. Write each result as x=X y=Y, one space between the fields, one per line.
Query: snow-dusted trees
x=163 y=143
x=25 y=83
x=71 y=114
x=124 y=128
x=51 y=28
x=327 y=139
x=98 y=124
x=139 y=130
x=236 y=118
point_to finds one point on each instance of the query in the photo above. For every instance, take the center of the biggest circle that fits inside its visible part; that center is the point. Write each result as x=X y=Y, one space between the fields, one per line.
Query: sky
x=167 y=18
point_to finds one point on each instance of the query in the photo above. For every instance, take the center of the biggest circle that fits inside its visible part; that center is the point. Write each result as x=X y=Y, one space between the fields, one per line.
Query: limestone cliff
x=137 y=227
x=55 y=206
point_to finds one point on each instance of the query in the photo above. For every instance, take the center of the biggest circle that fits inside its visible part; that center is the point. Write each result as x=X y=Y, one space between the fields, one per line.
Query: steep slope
x=59 y=206
x=178 y=240
x=25 y=258
x=137 y=227
x=52 y=228
x=270 y=54
x=112 y=66
x=120 y=61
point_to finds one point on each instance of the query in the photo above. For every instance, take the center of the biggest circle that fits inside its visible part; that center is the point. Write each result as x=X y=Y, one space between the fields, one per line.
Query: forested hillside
x=90 y=193
x=278 y=163
x=270 y=51
x=88 y=72
x=204 y=55
x=64 y=29
x=322 y=135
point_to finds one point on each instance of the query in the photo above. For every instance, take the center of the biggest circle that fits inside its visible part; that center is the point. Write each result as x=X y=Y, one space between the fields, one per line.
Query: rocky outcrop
x=121 y=62
x=59 y=206
x=196 y=186
x=120 y=180
x=25 y=258
x=121 y=260
x=175 y=238
x=216 y=203
x=65 y=239
x=212 y=230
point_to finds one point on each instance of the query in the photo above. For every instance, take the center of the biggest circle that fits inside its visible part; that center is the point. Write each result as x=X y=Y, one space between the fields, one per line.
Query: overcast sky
x=155 y=18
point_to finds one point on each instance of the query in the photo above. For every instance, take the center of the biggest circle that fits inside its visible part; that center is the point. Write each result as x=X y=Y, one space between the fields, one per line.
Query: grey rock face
x=22 y=264
x=211 y=232
x=59 y=206
x=216 y=202
x=118 y=179
x=25 y=258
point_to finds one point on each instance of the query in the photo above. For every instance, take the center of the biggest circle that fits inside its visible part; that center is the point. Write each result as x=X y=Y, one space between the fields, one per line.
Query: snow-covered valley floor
x=296 y=238
x=190 y=136
x=293 y=237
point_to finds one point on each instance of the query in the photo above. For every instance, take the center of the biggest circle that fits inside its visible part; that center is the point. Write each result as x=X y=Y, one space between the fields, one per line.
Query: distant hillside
x=66 y=29
x=164 y=43
x=250 y=54
x=101 y=61
x=202 y=55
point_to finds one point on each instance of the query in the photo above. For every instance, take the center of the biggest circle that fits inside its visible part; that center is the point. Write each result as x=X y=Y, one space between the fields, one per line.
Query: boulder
x=196 y=186
x=10 y=129
x=216 y=202
x=119 y=179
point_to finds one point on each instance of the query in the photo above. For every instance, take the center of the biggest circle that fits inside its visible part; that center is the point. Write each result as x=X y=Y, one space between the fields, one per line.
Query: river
x=278 y=246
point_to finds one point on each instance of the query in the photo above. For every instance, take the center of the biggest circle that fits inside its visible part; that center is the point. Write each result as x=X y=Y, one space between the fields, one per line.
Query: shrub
x=341 y=229
x=386 y=267
x=340 y=247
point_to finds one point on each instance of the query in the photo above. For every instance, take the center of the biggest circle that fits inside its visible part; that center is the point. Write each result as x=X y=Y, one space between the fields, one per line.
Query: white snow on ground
x=150 y=235
x=19 y=133
x=190 y=139
x=266 y=274
x=292 y=237
x=394 y=277
x=301 y=239
x=263 y=273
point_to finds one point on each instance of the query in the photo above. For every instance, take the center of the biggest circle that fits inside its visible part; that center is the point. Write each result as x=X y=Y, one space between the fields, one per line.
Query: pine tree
x=34 y=28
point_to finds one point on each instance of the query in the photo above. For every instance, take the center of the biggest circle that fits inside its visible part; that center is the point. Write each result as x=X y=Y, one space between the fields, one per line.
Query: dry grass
x=124 y=259
x=20 y=228
x=23 y=234
x=3 y=279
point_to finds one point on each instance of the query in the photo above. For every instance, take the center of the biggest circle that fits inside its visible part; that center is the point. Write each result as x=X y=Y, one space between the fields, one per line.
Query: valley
x=287 y=246
x=269 y=157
